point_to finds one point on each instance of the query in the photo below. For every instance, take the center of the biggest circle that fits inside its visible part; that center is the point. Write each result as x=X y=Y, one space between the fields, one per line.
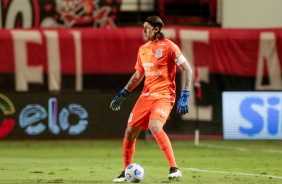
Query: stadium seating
x=187 y=12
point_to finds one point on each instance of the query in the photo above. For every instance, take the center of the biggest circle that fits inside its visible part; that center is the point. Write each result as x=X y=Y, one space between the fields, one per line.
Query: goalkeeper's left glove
x=117 y=101
x=183 y=102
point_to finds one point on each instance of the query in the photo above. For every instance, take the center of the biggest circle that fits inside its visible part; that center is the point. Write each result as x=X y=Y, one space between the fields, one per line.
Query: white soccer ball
x=134 y=173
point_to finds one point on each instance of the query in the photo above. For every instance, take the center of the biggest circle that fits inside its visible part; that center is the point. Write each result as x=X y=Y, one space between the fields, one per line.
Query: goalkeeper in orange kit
x=157 y=60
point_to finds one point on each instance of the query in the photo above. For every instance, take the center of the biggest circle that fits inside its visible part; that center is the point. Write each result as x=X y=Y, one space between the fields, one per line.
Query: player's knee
x=154 y=129
x=155 y=126
x=131 y=133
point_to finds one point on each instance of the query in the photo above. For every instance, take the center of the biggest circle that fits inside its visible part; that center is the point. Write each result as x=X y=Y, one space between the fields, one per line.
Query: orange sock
x=128 y=151
x=165 y=145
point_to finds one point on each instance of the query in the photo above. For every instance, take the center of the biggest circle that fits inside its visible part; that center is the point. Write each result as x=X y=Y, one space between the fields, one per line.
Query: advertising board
x=252 y=115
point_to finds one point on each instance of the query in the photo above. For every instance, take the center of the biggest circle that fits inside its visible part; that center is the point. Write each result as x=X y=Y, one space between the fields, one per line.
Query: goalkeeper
x=157 y=60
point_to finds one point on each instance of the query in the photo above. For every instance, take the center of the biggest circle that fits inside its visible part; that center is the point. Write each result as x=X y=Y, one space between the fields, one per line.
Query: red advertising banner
x=235 y=52
x=95 y=50
x=31 y=54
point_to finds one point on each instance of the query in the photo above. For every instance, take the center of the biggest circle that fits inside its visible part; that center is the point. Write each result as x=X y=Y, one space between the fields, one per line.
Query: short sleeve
x=138 y=65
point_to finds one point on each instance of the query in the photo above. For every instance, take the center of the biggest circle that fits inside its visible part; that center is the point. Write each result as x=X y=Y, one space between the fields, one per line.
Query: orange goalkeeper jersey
x=158 y=60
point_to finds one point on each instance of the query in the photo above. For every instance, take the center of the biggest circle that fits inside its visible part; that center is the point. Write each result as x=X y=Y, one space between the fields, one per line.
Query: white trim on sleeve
x=181 y=59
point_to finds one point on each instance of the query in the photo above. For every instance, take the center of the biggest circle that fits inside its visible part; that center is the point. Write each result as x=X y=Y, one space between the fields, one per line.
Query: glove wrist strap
x=185 y=92
x=125 y=92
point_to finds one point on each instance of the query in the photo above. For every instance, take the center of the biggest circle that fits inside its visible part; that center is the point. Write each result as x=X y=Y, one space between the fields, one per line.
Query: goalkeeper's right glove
x=117 y=101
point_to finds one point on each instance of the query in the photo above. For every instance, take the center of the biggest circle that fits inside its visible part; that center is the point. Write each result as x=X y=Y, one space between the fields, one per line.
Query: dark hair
x=156 y=21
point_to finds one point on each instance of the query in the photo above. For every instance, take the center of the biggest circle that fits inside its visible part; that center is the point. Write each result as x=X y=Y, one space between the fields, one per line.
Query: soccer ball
x=134 y=173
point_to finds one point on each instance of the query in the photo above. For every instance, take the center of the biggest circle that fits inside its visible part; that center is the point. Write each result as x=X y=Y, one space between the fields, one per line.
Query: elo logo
x=33 y=117
x=252 y=115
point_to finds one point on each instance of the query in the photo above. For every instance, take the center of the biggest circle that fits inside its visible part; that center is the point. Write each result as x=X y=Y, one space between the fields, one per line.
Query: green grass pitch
x=100 y=161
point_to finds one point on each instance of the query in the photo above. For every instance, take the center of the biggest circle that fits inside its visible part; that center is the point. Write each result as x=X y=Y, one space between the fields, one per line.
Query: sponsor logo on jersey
x=162 y=44
x=150 y=94
x=161 y=111
x=148 y=64
x=153 y=73
x=147 y=67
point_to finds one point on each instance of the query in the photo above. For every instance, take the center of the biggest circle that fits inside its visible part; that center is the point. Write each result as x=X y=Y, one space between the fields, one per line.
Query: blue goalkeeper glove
x=117 y=101
x=183 y=102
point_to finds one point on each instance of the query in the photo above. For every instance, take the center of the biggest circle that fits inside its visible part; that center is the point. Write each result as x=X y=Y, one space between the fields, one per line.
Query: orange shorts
x=153 y=109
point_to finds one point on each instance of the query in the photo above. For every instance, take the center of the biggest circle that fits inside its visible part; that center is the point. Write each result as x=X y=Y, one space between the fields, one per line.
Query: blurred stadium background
x=62 y=62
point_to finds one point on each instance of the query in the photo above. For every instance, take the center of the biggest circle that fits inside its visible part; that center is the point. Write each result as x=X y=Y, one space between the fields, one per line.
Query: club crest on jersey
x=159 y=53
